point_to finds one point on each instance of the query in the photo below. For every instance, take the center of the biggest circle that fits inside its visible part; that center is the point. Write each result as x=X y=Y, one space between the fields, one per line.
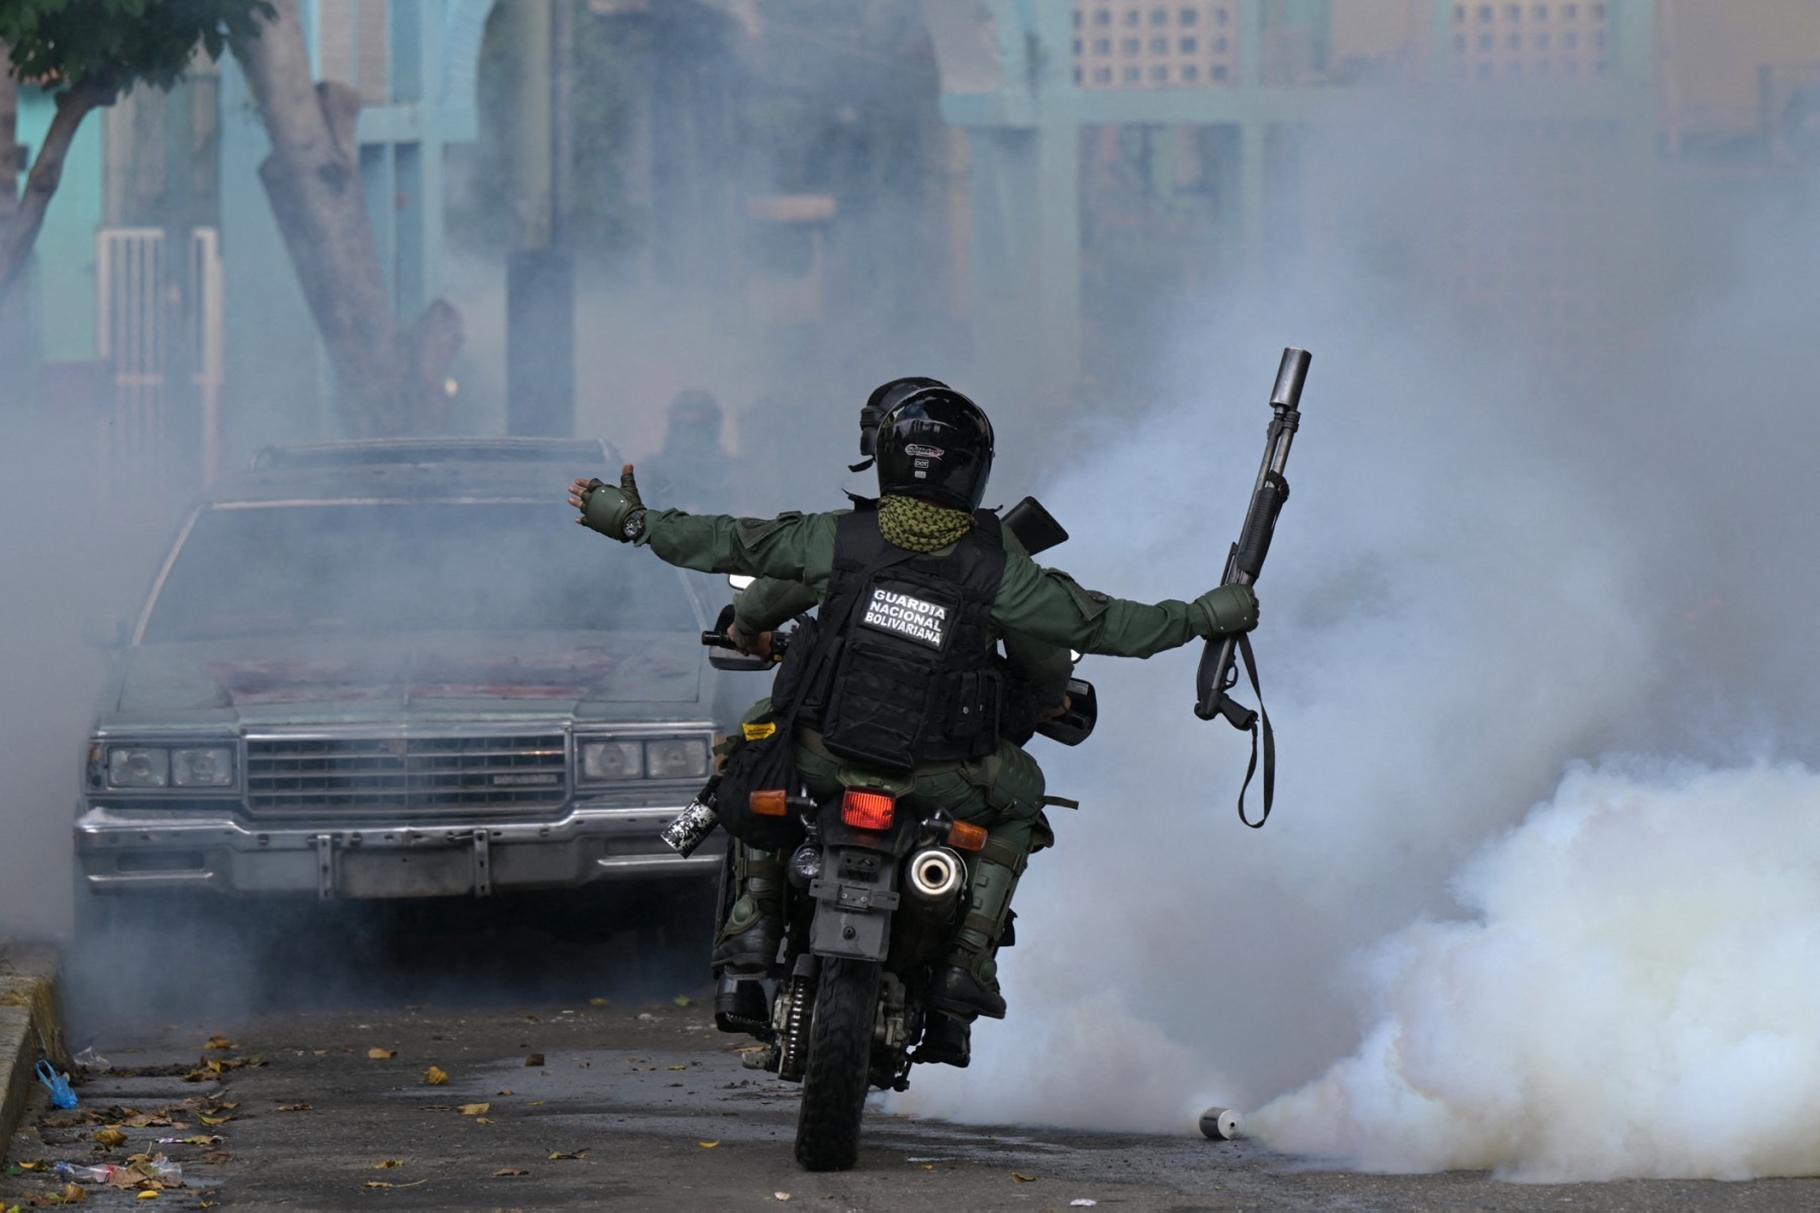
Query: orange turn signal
x=772 y=802
x=965 y=836
x=868 y=810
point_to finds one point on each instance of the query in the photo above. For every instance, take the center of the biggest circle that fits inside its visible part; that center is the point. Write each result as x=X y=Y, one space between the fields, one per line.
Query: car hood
x=279 y=681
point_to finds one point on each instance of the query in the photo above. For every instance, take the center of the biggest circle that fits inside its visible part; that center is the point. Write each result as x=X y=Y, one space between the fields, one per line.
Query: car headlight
x=138 y=767
x=661 y=758
x=677 y=758
x=212 y=767
x=132 y=767
x=612 y=760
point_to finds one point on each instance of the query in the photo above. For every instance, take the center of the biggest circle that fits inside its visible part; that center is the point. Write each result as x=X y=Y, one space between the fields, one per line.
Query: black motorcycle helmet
x=884 y=398
x=935 y=444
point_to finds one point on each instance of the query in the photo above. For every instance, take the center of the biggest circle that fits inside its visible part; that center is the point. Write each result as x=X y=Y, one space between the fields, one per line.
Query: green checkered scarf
x=920 y=526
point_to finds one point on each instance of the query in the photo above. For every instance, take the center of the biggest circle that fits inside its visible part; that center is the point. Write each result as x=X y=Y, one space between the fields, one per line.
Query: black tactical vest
x=909 y=678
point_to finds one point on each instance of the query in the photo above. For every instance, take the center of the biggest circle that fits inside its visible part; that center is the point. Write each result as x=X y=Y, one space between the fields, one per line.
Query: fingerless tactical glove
x=617 y=513
x=1225 y=610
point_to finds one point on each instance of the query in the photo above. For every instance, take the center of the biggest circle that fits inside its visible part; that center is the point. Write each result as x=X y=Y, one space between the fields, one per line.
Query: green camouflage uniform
x=1039 y=614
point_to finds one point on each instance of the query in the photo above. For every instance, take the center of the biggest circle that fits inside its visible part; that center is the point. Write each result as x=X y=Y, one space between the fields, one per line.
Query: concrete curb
x=29 y=1027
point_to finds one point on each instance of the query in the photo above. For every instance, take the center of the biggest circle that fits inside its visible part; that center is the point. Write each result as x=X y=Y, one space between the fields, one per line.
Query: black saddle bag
x=761 y=762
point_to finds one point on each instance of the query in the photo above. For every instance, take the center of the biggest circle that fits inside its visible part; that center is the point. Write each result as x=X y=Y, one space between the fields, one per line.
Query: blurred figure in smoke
x=934 y=452
x=692 y=469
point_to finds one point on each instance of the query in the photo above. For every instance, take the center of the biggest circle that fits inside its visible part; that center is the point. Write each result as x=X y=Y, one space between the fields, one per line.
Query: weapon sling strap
x=1261 y=724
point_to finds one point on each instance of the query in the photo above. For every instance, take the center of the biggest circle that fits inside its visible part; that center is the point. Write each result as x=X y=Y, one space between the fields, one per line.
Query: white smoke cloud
x=1632 y=996
x=1491 y=571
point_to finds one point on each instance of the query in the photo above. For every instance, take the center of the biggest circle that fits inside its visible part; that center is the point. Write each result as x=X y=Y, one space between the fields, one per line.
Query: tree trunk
x=9 y=139
x=20 y=231
x=389 y=380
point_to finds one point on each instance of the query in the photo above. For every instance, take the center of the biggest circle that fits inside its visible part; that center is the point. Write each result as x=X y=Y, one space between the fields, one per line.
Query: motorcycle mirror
x=729 y=659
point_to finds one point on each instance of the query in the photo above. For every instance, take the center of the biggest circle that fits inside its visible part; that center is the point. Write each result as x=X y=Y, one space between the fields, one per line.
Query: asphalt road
x=580 y=1082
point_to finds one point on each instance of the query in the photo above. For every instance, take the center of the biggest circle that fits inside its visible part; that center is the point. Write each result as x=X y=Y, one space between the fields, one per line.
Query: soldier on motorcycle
x=912 y=704
x=1037 y=673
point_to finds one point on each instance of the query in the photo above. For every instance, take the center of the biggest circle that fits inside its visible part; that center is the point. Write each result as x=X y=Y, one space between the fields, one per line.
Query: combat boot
x=967 y=983
x=947 y=1041
x=748 y=941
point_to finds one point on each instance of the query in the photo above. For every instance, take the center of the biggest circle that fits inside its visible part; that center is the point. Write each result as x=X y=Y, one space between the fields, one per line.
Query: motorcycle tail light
x=965 y=836
x=868 y=810
x=771 y=802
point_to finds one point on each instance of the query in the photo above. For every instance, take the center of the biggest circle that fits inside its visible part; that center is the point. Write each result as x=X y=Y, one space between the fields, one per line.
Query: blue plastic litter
x=61 y=1095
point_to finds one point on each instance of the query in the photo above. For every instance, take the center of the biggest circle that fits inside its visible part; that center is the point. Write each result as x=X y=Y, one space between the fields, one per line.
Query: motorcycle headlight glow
x=138 y=767
x=677 y=758
x=212 y=767
x=604 y=760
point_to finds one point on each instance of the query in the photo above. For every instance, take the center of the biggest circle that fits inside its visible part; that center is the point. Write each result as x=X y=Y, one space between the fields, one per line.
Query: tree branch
x=16 y=240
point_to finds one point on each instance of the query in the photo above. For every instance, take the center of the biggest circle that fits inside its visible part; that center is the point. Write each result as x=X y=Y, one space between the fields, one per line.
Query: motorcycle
x=870 y=902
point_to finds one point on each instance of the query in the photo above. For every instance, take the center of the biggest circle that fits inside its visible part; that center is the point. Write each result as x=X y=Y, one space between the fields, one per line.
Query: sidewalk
x=29 y=1027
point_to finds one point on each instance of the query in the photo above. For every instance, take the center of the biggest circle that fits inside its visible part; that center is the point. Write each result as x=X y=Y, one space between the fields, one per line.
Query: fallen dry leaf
x=380 y=1183
x=676 y=1067
x=474 y=1109
x=780 y=1196
x=507 y=1172
x=293 y=1107
x=535 y=1059
x=597 y=1002
x=386 y=1163
x=218 y=1042
x=558 y=1154
x=683 y=1000
x=216 y=1156
x=1020 y=1177
x=537 y=1103
x=149 y=1194
x=213 y=1120
x=508 y=1091
x=707 y=1145
x=73 y=1194
x=110 y=1137
x=378 y=1054
x=435 y=1076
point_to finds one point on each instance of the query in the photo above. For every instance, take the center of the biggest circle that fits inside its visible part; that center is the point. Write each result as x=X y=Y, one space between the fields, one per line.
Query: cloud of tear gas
x=66 y=564
x=1503 y=556
x=1632 y=995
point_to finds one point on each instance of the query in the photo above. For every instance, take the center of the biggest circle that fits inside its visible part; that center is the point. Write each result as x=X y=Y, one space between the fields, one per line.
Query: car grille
x=414 y=776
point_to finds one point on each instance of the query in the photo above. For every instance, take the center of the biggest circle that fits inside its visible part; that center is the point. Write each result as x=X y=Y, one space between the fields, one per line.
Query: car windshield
x=423 y=566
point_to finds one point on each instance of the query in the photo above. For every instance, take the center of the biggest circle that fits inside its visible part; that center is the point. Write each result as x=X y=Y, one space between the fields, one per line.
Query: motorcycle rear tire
x=840 y=1053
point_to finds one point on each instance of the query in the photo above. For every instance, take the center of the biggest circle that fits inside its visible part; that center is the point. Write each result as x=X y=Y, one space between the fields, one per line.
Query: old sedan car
x=394 y=669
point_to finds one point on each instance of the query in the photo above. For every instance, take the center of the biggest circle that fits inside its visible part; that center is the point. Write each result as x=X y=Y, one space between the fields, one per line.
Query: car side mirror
x=104 y=634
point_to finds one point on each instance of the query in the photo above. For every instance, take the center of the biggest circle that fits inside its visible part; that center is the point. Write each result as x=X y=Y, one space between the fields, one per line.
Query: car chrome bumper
x=120 y=851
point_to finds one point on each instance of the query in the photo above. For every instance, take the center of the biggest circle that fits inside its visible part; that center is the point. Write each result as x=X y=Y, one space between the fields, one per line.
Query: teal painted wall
x=63 y=262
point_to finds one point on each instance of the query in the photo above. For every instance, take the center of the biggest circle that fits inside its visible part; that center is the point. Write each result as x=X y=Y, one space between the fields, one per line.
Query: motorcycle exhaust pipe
x=936 y=874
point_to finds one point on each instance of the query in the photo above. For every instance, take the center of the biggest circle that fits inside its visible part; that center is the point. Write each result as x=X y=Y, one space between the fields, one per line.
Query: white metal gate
x=136 y=304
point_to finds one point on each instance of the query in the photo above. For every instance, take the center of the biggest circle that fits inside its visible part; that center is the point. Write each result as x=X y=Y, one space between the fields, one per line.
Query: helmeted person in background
x=692 y=468
x=911 y=704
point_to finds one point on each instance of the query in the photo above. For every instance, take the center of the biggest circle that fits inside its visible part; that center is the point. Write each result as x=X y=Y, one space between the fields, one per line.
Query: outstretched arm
x=791 y=547
x=1048 y=604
